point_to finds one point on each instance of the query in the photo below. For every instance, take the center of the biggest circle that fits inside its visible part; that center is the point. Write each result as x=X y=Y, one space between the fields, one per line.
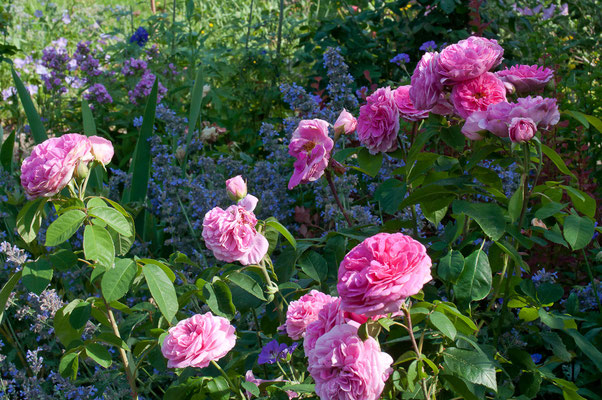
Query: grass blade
x=35 y=123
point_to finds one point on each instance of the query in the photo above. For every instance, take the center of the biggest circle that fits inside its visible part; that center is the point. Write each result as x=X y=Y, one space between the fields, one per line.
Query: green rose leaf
x=116 y=281
x=474 y=283
x=64 y=227
x=488 y=215
x=578 y=231
x=162 y=290
x=98 y=245
x=37 y=275
x=99 y=353
x=473 y=366
x=113 y=218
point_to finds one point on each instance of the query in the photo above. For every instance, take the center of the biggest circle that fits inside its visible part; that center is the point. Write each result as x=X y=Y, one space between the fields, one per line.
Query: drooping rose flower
x=379 y=273
x=543 y=111
x=526 y=78
x=236 y=188
x=102 y=149
x=311 y=146
x=345 y=123
x=521 y=129
x=378 y=123
x=198 y=340
x=231 y=235
x=345 y=367
x=304 y=311
x=468 y=59
x=426 y=90
x=478 y=93
x=474 y=125
x=407 y=111
x=51 y=164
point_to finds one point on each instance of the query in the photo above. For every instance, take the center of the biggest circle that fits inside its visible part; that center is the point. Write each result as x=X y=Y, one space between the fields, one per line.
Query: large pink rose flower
x=426 y=90
x=50 y=166
x=102 y=149
x=329 y=316
x=230 y=234
x=198 y=340
x=407 y=111
x=526 y=78
x=304 y=311
x=378 y=123
x=311 y=146
x=468 y=59
x=378 y=274
x=345 y=367
x=476 y=94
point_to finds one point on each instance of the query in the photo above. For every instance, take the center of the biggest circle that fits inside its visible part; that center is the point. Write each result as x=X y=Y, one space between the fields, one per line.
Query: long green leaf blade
x=35 y=122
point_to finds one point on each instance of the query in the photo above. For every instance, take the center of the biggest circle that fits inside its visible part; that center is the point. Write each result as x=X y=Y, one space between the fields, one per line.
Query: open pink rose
x=521 y=129
x=236 y=188
x=526 y=78
x=345 y=123
x=345 y=367
x=468 y=59
x=426 y=90
x=407 y=111
x=329 y=316
x=379 y=273
x=378 y=123
x=230 y=234
x=102 y=149
x=477 y=94
x=198 y=340
x=311 y=146
x=51 y=164
x=304 y=311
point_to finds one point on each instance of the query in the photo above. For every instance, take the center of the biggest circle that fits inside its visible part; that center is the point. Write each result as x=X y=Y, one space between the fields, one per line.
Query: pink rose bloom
x=543 y=111
x=346 y=123
x=311 y=146
x=476 y=94
x=378 y=274
x=345 y=367
x=378 y=123
x=304 y=311
x=236 y=188
x=468 y=59
x=102 y=149
x=474 y=125
x=521 y=129
x=401 y=95
x=50 y=166
x=329 y=316
x=526 y=78
x=426 y=88
x=198 y=340
x=230 y=234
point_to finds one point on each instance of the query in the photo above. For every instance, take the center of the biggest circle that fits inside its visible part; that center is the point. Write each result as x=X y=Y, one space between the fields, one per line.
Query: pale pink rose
x=468 y=59
x=102 y=149
x=426 y=90
x=401 y=95
x=345 y=367
x=379 y=273
x=346 y=123
x=477 y=94
x=51 y=164
x=304 y=311
x=521 y=129
x=198 y=340
x=236 y=188
x=378 y=123
x=250 y=377
x=543 y=111
x=230 y=234
x=526 y=78
x=329 y=316
x=311 y=146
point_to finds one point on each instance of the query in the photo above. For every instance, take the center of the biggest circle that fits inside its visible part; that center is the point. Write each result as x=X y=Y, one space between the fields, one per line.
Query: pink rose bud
x=521 y=129
x=102 y=149
x=236 y=187
x=346 y=123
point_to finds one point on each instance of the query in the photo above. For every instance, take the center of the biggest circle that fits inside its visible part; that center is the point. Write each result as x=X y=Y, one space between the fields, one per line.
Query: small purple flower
x=140 y=37
x=564 y=9
x=98 y=93
x=66 y=18
x=38 y=13
x=429 y=46
x=8 y=93
x=401 y=58
x=536 y=357
x=274 y=352
x=137 y=122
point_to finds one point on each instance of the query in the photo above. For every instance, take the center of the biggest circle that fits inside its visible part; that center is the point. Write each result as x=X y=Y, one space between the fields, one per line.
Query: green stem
x=591 y=279
x=524 y=183
x=230 y=383
x=279 y=34
x=333 y=189
x=410 y=329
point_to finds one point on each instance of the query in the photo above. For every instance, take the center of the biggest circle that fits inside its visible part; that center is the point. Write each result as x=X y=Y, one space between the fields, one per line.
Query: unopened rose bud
x=337 y=167
x=521 y=130
x=82 y=170
x=236 y=187
x=345 y=124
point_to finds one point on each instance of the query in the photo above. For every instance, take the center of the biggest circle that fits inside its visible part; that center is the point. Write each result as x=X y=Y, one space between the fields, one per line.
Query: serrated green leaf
x=248 y=284
x=474 y=283
x=116 y=281
x=470 y=365
x=65 y=226
x=443 y=324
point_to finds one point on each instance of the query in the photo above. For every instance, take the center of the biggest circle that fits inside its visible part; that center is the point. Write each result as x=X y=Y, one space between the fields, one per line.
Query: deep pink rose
x=476 y=94
x=304 y=311
x=51 y=164
x=198 y=340
x=329 y=316
x=378 y=123
x=378 y=274
x=543 y=111
x=311 y=146
x=521 y=129
x=236 y=188
x=426 y=90
x=102 y=149
x=468 y=59
x=346 y=123
x=345 y=367
x=526 y=78
x=401 y=95
x=230 y=234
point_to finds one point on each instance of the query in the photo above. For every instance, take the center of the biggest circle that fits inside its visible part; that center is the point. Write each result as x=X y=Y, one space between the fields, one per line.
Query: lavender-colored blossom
x=429 y=46
x=132 y=65
x=401 y=58
x=137 y=121
x=8 y=93
x=542 y=276
x=84 y=58
x=38 y=13
x=274 y=352
x=140 y=37
x=66 y=18
x=339 y=83
x=98 y=93
x=143 y=88
x=55 y=60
